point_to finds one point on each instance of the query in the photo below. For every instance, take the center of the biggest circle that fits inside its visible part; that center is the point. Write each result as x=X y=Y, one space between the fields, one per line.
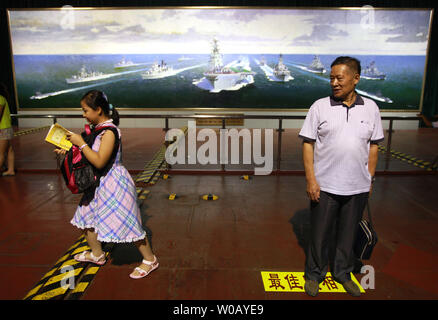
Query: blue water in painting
x=38 y=75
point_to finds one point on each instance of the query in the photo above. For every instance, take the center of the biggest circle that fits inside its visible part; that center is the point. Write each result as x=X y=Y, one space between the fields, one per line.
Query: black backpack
x=79 y=174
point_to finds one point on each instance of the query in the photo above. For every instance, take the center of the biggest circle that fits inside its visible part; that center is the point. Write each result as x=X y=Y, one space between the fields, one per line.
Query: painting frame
x=206 y=107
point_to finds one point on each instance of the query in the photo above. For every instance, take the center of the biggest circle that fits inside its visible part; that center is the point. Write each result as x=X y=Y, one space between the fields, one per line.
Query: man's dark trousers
x=339 y=214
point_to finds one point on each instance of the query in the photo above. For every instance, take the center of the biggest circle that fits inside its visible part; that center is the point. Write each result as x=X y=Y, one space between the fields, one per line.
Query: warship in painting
x=280 y=73
x=231 y=77
x=184 y=58
x=126 y=64
x=84 y=76
x=316 y=66
x=159 y=70
x=372 y=73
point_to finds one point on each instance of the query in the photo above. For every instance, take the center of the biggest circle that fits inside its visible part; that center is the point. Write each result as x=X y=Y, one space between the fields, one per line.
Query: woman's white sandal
x=143 y=273
x=82 y=257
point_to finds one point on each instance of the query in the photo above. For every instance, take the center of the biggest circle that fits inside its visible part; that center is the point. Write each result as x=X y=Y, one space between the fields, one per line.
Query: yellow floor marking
x=50 y=294
x=62 y=276
x=80 y=287
x=79 y=250
x=281 y=281
x=33 y=291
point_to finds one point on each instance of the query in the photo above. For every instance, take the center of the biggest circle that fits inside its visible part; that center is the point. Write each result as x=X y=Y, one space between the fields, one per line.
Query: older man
x=340 y=136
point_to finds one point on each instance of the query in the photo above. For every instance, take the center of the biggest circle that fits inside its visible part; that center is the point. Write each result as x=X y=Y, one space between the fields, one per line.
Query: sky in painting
x=241 y=31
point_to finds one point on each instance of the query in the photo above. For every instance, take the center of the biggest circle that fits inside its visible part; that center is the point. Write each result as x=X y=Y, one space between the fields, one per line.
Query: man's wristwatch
x=373 y=178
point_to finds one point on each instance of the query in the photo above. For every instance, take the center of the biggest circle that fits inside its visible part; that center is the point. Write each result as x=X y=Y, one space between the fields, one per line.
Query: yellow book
x=57 y=135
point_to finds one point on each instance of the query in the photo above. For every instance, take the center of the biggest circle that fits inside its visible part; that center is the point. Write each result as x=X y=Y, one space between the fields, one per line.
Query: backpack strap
x=369 y=214
x=117 y=143
x=90 y=136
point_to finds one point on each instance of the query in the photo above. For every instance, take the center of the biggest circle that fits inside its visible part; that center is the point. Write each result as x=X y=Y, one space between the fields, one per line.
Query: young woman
x=111 y=213
x=6 y=134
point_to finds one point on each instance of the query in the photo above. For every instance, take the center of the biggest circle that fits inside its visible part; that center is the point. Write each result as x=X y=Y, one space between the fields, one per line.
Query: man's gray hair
x=351 y=62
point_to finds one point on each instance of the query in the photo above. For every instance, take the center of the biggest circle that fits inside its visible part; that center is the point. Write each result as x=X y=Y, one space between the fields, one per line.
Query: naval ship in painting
x=231 y=77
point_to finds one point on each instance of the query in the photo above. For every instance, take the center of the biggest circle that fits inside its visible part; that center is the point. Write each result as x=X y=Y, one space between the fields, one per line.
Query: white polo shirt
x=342 y=137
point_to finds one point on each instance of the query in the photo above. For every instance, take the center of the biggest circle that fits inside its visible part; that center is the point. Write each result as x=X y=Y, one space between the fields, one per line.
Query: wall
x=431 y=85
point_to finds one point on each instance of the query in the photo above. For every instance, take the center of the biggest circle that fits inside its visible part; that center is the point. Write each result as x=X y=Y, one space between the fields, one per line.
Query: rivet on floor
x=210 y=197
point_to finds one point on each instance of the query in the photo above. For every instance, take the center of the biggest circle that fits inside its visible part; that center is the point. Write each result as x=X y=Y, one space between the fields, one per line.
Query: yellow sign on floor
x=274 y=281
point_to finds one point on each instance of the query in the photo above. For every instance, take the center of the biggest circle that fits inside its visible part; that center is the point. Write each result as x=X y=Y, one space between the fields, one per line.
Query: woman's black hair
x=95 y=99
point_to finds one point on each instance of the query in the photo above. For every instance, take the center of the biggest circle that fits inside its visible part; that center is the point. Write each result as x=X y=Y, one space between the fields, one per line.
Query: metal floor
x=212 y=249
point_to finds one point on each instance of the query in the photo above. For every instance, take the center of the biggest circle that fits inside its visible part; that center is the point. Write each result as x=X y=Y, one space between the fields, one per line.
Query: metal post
x=165 y=129
x=388 y=145
x=280 y=130
x=223 y=127
x=166 y=124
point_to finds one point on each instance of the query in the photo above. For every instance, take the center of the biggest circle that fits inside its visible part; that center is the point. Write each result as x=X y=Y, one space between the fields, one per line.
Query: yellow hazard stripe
x=57 y=266
x=407 y=158
x=62 y=289
x=149 y=171
x=80 y=241
x=144 y=194
x=70 y=262
x=83 y=285
x=50 y=294
x=80 y=288
x=57 y=291
x=62 y=276
x=79 y=250
x=92 y=270
x=33 y=291
x=28 y=131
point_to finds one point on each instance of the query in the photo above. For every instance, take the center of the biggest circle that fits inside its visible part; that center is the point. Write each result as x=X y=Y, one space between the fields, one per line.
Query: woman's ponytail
x=114 y=115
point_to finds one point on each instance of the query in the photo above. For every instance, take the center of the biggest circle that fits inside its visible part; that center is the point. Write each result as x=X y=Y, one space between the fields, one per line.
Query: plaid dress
x=113 y=213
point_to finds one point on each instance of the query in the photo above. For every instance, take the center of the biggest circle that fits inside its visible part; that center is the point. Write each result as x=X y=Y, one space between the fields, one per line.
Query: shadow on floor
x=301 y=227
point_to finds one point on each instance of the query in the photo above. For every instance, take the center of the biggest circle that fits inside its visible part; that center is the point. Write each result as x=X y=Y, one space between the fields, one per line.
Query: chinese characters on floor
x=294 y=282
